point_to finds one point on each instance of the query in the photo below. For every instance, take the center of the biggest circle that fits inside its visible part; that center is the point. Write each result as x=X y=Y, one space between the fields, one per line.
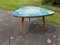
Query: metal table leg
x=44 y=23
x=22 y=25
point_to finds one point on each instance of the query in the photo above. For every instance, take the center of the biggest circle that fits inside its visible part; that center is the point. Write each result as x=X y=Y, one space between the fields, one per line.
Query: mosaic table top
x=32 y=11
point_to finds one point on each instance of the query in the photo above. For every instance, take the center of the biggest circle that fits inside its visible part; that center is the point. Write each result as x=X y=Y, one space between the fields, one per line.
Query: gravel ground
x=33 y=33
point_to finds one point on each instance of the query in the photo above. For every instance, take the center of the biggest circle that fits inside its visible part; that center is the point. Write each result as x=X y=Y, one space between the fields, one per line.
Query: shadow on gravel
x=37 y=27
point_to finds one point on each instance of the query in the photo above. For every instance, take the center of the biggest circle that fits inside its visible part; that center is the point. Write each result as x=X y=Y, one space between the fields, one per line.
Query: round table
x=30 y=12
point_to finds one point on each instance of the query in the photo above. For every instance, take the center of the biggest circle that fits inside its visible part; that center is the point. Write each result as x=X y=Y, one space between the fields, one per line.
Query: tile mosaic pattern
x=31 y=11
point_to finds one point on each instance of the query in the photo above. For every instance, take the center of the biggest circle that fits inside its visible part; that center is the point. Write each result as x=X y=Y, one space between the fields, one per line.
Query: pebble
x=49 y=41
x=54 y=36
x=20 y=36
x=53 y=43
x=11 y=37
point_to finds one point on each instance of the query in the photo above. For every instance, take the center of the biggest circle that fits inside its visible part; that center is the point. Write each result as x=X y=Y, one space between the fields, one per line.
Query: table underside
x=22 y=23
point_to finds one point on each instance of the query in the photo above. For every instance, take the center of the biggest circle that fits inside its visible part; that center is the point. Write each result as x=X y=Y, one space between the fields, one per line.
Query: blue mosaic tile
x=32 y=11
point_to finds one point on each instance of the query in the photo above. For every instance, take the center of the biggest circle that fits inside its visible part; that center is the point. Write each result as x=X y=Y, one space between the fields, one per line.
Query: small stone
x=53 y=43
x=54 y=36
x=11 y=37
x=48 y=40
x=20 y=36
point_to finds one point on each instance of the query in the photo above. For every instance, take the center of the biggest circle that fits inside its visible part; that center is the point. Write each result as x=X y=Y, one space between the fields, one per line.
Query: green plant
x=48 y=2
x=51 y=2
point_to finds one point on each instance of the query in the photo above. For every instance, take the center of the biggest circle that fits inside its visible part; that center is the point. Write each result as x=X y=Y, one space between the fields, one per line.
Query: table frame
x=22 y=24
